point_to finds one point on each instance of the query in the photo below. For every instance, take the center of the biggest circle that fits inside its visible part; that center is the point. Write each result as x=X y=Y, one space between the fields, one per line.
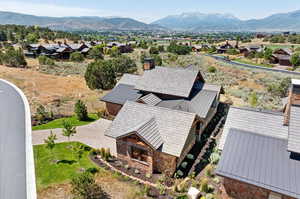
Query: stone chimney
x=149 y=64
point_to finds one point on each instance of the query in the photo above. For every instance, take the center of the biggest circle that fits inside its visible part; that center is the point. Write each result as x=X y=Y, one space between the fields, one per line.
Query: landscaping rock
x=193 y=193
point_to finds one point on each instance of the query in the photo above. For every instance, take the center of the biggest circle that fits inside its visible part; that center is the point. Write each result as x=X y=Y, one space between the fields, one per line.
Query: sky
x=149 y=10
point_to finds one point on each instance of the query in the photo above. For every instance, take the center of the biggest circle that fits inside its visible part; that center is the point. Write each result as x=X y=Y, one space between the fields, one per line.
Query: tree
x=153 y=50
x=268 y=54
x=32 y=38
x=295 y=59
x=100 y=75
x=79 y=150
x=179 y=49
x=157 y=59
x=84 y=187
x=50 y=142
x=81 y=111
x=161 y=48
x=76 y=57
x=96 y=52
x=68 y=129
x=280 y=88
x=122 y=64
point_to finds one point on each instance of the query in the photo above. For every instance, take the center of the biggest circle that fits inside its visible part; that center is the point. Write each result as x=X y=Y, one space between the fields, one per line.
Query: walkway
x=91 y=135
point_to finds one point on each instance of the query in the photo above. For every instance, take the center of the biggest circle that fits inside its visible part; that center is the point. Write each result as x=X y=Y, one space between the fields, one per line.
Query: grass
x=252 y=63
x=48 y=172
x=275 y=46
x=58 y=123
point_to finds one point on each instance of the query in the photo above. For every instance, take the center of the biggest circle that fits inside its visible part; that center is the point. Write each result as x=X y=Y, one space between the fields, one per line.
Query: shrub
x=190 y=156
x=184 y=165
x=43 y=60
x=123 y=64
x=14 y=58
x=253 y=99
x=81 y=111
x=96 y=52
x=179 y=49
x=153 y=50
x=100 y=75
x=77 y=57
x=204 y=185
x=92 y=170
x=209 y=170
x=295 y=59
x=179 y=173
x=84 y=187
x=212 y=69
x=232 y=51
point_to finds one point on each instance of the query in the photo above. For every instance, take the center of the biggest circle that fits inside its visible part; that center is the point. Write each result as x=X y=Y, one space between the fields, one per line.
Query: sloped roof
x=121 y=93
x=150 y=99
x=200 y=104
x=167 y=80
x=149 y=132
x=260 y=122
x=129 y=79
x=294 y=130
x=260 y=160
x=173 y=126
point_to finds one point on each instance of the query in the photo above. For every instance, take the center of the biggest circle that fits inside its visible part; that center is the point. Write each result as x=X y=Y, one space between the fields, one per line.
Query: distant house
x=198 y=48
x=246 y=51
x=155 y=109
x=282 y=57
x=223 y=49
x=123 y=47
x=261 y=151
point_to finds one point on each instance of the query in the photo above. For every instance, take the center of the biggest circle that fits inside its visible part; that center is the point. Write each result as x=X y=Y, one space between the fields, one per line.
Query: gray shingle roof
x=149 y=132
x=260 y=160
x=265 y=123
x=121 y=93
x=167 y=80
x=200 y=104
x=129 y=79
x=294 y=130
x=173 y=126
x=150 y=99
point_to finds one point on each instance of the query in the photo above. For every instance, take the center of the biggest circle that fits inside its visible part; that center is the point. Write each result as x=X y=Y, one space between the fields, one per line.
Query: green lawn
x=252 y=63
x=48 y=172
x=58 y=123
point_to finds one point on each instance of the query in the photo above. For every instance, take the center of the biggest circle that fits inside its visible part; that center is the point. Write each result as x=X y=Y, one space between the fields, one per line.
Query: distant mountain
x=199 y=22
x=77 y=23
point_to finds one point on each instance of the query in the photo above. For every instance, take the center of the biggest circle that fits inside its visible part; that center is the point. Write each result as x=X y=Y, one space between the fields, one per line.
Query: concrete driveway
x=91 y=135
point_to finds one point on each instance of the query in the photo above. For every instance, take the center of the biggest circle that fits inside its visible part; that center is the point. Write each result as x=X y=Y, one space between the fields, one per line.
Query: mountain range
x=192 y=22
x=198 y=22
x=76 y=23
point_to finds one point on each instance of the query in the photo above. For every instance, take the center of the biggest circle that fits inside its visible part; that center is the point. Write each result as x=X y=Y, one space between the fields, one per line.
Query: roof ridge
x=258 y=110
x=159 y=107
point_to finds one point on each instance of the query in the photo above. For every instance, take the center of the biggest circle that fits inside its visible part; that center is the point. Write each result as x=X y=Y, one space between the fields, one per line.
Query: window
x=274 y=196
x=139 y=154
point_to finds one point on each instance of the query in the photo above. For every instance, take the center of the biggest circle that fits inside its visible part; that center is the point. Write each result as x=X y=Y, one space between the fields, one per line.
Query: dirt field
x=57 y=93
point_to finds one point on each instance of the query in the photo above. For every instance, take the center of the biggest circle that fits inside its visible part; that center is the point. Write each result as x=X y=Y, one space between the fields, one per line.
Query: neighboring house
x=246 y=51
x=282 y=57
x=161 y=113
x=223 y=49
x=123 y=48
x=261 y=151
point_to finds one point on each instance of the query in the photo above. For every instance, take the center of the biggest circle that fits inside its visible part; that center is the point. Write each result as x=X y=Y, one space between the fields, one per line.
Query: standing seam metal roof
x=173 y=126
x=150 y=99
x=294 y=130
x=260 y=160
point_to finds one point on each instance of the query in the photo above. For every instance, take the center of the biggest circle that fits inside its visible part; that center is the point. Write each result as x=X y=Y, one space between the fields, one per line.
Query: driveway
x=91 y=135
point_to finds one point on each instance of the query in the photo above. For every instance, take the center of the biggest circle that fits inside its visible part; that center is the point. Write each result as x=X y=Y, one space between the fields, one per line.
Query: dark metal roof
x=260 y=160
x=294 y=130
x=121 y=93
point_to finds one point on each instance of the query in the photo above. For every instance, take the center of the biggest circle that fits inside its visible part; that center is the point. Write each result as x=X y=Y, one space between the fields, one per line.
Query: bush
x=123 y=64
x=14 y=58
x=295 y=59
x=43 y=60
x=190 y=156
x=212 y=69
x=179 y=49
x=232 y=51
x=92 y=170
x=153 y=50
x=100 y=75
x=84 y=187
x=204 y=185
x=81 y=111
x=77 y=57
x=184 y=165
x=179 y=173
x=253 y=99
x=209 y=170
x=96 y=52
x=280 y=88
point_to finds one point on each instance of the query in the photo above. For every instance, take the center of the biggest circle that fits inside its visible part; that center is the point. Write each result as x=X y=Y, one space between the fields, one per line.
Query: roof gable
x=166 y=80
x=148 y=132
x=173 y=126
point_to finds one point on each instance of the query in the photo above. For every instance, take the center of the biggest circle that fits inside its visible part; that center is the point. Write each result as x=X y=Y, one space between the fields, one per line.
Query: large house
x=282 y=57
x=160 y=115
x=261 y=151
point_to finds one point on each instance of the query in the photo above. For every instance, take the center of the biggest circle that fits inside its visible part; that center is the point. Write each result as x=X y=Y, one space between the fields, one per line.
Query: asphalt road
x=14 y=179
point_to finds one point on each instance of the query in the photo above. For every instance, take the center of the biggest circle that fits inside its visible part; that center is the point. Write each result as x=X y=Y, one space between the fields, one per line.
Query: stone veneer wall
x=164 y=163
x=113 y=109
x=241 y=190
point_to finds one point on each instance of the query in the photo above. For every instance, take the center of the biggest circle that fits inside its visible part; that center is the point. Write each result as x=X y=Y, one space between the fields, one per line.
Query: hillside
x=199 y=22
x=76 y=23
